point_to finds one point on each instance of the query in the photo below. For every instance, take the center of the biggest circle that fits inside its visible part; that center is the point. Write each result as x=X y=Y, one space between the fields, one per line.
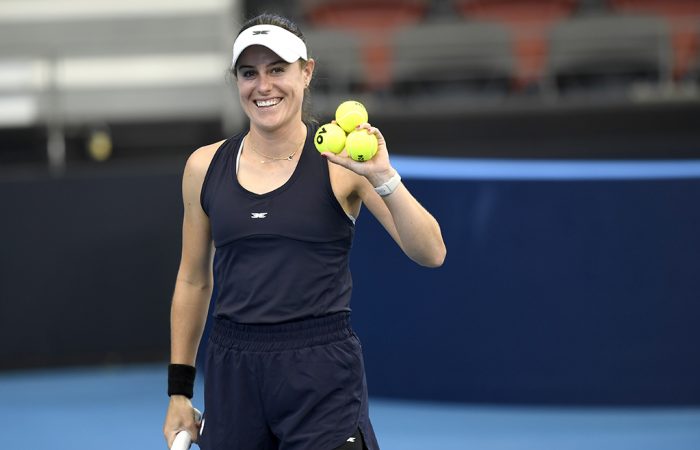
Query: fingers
x=181 y=416
x=171 y=438
x=371 y=130
x=192 y=429
x=343 y=161
x=368 y=127
x=197 y=427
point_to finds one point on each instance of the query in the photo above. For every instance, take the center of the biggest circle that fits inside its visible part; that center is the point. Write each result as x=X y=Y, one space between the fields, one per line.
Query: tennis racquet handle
x=183 y=440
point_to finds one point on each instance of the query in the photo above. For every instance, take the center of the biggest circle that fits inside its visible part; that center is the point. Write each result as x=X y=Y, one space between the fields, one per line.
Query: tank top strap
x=218 y=169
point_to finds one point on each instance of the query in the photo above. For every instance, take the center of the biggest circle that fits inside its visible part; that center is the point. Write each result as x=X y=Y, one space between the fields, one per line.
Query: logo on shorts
x=352 y=439
x=258 y=215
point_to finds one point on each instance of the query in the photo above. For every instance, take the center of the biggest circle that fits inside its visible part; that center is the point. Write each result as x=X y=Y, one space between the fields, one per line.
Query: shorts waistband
x=283 y=336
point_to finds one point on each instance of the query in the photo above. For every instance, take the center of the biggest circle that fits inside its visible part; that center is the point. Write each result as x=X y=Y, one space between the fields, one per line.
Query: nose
x=264 y=83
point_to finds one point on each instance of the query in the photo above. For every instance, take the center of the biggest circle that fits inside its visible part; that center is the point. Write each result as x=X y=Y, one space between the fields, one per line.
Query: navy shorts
x=292 y=386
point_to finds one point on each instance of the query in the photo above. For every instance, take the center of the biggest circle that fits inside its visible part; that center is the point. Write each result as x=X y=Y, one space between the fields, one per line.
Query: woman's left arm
x=413 y=228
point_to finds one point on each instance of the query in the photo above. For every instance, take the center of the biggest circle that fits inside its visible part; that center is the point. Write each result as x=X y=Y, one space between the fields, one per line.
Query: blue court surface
x=110 y=408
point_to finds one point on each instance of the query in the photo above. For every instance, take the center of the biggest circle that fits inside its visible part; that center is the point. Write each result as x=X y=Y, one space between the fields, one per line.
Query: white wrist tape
x=390 y=186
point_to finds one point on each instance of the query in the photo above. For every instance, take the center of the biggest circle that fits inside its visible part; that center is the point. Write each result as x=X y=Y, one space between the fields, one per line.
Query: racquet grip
x=183 y=440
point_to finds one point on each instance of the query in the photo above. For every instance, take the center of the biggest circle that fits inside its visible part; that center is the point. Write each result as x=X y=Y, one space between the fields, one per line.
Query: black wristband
x=181 y=380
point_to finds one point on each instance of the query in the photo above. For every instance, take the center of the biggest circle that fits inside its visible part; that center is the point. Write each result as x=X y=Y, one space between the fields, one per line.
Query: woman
x=284 y=369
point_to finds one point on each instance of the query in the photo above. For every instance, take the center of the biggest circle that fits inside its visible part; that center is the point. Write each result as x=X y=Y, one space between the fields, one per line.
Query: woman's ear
x=308 y=70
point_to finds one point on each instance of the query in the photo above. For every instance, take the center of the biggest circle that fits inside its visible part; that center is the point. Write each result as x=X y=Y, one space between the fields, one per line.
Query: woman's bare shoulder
x=198 y=162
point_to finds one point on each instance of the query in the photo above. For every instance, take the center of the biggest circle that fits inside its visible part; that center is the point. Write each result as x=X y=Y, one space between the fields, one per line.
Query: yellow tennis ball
x=361 y=145
x=350 y=114
x=99 y=146
x=329 y=138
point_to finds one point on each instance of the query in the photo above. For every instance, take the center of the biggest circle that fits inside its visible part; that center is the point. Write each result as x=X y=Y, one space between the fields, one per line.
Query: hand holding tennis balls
x=331 y=137
x=378 y=169
x=365 y=145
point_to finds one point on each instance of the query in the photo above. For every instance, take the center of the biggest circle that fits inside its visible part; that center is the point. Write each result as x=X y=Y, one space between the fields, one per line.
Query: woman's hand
x=180 y=417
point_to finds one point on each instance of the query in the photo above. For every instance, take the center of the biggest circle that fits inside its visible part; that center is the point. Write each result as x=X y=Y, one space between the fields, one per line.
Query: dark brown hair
x=283 y=22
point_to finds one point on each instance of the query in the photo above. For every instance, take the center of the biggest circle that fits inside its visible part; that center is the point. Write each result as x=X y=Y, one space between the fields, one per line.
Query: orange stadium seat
x=683 y=17
x=530 y=21
x=374 y=22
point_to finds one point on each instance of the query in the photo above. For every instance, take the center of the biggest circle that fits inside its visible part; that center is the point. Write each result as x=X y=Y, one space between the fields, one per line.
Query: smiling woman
x=271 y=90
x=284 y=367
x=292 y=49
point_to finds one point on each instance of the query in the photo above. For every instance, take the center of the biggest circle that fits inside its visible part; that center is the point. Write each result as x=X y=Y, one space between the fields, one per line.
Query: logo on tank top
x=258 y=215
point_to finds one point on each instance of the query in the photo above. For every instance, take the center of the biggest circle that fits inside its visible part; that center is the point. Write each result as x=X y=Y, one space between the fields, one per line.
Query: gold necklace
x=277 y=158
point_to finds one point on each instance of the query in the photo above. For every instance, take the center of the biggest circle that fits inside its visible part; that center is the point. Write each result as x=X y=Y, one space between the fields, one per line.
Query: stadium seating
x=449 y=56
x=167 y=60
x=337 y=53
x=373 y=22
x=683 y=17
x=598 y=52
x=529 y=21
x=364 y=14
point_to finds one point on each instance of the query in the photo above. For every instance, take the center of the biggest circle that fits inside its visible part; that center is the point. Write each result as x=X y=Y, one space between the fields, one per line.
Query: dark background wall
x=552 y=292
x=88 y=264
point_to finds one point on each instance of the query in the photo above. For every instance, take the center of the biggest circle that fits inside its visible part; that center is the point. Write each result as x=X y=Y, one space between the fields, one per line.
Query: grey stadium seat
x=338 y=59
x=592 y=52
x=447 y=55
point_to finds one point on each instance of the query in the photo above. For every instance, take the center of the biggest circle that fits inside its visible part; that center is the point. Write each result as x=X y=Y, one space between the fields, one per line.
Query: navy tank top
x=282 y=255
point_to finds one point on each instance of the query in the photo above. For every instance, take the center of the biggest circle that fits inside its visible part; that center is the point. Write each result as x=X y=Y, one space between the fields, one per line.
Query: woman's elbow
x=439 y=260
x=433 y=260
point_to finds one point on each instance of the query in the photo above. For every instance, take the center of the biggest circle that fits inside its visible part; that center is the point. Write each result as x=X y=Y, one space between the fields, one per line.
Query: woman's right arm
x=193 y=288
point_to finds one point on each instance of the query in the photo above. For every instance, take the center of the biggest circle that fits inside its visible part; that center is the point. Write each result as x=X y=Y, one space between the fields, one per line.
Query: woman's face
x=271 y=90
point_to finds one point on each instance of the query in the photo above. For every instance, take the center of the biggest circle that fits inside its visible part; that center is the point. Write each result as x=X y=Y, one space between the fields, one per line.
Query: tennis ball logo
x=350 y=114
x=361 y=145
x=330 y=138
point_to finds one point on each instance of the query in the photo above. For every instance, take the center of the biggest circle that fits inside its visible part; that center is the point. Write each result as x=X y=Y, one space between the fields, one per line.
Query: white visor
x=285 y=44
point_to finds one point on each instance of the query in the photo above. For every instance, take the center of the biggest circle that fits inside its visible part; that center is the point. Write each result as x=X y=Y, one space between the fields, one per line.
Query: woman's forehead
x=258 y=55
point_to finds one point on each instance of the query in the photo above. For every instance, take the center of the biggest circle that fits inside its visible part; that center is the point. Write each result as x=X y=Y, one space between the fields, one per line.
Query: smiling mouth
x=268 y=102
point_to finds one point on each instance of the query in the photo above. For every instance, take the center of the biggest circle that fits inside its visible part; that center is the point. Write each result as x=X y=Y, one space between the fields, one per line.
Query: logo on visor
x=260 y=32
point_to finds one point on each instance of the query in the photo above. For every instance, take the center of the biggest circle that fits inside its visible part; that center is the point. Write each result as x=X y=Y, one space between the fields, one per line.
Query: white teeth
x=271 y=102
